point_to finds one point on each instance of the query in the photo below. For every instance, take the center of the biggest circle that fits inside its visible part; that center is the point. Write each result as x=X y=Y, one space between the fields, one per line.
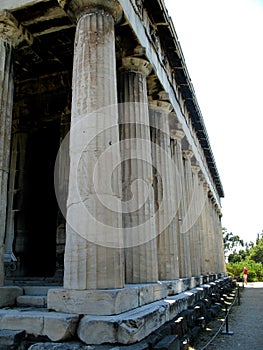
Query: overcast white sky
x=222 y=42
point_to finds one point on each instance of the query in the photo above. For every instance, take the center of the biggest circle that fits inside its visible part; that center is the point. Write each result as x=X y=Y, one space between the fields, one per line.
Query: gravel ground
x=245 y=320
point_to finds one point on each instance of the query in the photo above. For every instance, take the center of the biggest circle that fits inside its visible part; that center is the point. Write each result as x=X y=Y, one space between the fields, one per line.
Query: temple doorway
x=33 y=209
x=41 y=207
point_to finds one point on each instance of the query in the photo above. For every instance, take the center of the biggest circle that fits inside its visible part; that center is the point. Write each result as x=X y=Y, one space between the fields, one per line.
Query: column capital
x=196 y=168
x=176 y=129
x=77 y=8
x=135 y=64
x=218 y=210
x=178 y=135
x=164 y=96
x=160 y=105
x=11 y=31
x=188 y=154
x=206 y=187
x=201 y=177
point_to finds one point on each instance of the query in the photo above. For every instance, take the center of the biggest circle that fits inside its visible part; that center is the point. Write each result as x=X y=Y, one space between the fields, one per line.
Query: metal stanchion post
x=227 y=331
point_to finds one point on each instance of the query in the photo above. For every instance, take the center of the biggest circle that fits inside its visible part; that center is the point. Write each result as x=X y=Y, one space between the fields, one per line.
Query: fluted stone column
x=202 y=228
x=215 y=238
x=191 y=213
x=137 y=176
x=219 y=251
x=222 y=263
x=211 y=235
x=91 y=263
x=216 y=248
x=206 y=220
x=10 y=36
x=197 y=209
x=165 y=191
x=182 y=219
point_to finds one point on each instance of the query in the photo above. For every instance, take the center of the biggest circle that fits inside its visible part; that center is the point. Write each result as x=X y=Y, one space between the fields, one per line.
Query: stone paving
x=246 y=321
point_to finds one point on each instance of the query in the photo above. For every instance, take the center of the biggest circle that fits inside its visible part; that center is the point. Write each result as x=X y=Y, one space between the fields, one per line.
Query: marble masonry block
x=177 y=304
x=32 y=300
x=93 y=302
x=186 y=283
x=128 y=328
x=206 y=288
x=8 y=295
x=212 y=277
x=55 y=326
x=139 y=323
x=37 y=290
x=203 y=279
x=59 y=327
x=175 y=287
x=134 y=325
x=193 y=296
x=198 y=280
x=149 y=293
x=194 y=281
x=94 y=330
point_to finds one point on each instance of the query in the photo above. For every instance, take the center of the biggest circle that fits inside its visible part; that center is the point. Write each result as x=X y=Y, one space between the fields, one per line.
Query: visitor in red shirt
x=245 y=273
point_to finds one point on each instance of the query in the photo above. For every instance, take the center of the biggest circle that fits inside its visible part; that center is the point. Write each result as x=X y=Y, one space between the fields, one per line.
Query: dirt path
x=246 y=321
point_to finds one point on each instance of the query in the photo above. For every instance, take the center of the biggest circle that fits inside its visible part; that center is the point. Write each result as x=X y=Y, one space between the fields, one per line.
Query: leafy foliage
x=231 y=241
x=251 y=257
x=256 y=252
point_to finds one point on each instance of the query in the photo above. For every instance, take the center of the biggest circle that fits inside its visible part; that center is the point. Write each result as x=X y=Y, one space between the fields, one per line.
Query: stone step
x=38 y=290
x=32 y=300
x=34 y=296
x=56 y=326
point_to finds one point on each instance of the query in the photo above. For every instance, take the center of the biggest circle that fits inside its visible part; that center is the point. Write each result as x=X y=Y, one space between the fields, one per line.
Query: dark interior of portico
x=41 y=118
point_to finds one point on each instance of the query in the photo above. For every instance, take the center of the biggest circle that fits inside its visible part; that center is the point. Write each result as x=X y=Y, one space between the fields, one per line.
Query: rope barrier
x=223 y=323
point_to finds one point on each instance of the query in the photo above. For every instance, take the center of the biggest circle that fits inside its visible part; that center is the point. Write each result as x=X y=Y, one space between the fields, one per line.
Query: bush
x=255 y=270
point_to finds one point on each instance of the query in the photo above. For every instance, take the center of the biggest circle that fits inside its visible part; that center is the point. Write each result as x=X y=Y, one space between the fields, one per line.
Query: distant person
x=245 y=273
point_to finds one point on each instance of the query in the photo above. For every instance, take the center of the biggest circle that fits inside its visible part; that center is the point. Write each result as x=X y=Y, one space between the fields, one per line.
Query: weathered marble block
x=8 y=295
x=55 y=326
x=93 y=302
x=127 y=328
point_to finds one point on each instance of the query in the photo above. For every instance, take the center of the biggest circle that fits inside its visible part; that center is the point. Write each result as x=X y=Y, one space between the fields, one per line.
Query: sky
x=222 y=42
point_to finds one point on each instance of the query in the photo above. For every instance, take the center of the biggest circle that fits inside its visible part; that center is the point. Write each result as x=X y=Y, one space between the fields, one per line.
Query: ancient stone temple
x=110 y=195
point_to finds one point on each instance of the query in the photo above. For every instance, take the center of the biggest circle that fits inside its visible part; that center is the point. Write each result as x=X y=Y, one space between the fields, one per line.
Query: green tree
x=256 y=252
x=231 y=241
x=251 y=257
